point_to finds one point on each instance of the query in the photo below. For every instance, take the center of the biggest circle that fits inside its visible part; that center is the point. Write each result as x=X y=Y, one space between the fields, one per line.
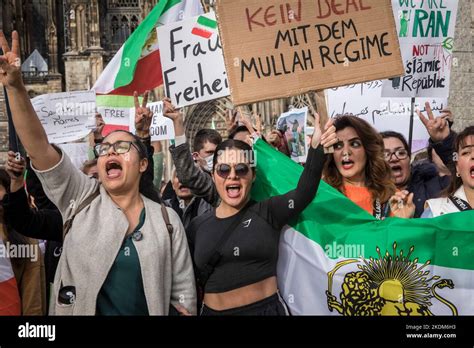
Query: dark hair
x=231 y=144
x=146 y=187
x=13 y=237
x=206 y=135
x=5 y=180
x=238 y=130
x=142 y=151
x=456 y=182
x=399 y=136
x=377 y=171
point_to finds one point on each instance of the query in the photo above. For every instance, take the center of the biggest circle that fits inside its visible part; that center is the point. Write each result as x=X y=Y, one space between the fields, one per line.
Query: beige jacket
x=92 y=244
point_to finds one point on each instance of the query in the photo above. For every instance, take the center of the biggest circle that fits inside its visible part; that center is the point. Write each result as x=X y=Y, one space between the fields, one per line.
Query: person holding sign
x=235 y=247
x=135 y=265
x=358 y=170
x=460 y=194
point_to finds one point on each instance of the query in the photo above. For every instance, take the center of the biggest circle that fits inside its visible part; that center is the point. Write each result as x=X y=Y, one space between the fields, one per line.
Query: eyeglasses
x=121 y=147
x=224 y=170
x=400 y=154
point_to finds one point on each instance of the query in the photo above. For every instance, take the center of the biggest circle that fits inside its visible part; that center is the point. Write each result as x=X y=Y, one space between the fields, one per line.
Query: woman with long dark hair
x=120 y=256
x=358 y=170
x=460 y=194
x=235 y=247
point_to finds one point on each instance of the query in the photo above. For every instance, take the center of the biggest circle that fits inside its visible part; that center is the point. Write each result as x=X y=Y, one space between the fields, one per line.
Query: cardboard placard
x=192 y=62
x=67 y=116
x=426 y=31
x=275 y=49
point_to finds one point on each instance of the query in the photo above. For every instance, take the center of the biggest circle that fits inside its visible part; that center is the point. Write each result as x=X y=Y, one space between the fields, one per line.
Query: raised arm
x=188 y=173
x=27 y=125
x=285 y=207
x=64 y=185
x=440 y=133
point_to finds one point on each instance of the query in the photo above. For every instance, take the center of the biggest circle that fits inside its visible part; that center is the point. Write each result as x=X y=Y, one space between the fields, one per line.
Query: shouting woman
x=358 y=170
x=119 y=257
x=235 y=247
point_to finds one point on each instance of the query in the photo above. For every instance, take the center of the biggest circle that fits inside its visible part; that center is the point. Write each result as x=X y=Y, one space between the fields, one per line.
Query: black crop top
x=250 y=254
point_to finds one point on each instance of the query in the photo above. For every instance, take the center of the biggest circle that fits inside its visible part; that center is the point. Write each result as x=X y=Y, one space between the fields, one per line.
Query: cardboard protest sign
x=161 y=127
x=426 y=32
x=66 y=117
x=192 y=62
x=280 y=48
x=293 y=124
x=384 y=114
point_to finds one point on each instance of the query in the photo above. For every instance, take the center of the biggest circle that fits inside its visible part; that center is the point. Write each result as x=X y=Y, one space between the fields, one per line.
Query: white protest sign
x=77 y=153
x=384 y=114
x=293 y=124
x=426 y=35
x=192 y=61
x=66 y=117
x=115 y=115
x=161 y=127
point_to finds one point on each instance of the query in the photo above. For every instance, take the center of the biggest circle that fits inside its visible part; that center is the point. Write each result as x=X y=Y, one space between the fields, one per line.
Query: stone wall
x=462 y=77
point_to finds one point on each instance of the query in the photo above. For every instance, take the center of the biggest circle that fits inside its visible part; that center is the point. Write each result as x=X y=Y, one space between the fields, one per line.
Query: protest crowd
x=114 y=239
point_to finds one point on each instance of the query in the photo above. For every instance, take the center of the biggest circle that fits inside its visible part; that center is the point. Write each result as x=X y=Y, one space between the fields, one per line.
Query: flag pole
x=412 y=116
x=12 y=136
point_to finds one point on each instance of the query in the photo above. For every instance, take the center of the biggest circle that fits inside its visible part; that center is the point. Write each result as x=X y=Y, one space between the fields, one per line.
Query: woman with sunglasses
x=117 y=258
x=358 y=170
x=235 y=247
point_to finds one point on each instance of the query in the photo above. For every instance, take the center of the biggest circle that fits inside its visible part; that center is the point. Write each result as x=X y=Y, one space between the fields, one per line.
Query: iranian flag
x=337 y=259
x=136 y=66
x=204 y=27
x=9 y=297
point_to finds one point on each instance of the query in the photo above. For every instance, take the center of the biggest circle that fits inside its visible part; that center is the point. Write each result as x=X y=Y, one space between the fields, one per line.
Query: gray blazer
x=92 y=244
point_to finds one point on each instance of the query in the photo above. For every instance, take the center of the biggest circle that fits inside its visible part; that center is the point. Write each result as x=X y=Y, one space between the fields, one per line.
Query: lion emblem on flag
x=390 y=285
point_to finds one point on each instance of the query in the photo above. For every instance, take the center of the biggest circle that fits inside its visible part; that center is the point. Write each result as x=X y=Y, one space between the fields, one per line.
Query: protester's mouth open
x=397 y=171
x=472 y=172
x=113 y=168
x=347 y=164
x=233 y=190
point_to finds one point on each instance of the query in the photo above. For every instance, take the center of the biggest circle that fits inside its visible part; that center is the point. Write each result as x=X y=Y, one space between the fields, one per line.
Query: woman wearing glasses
x=358 y=170
x=235 y=247
x=117 y=257
x=423 y=179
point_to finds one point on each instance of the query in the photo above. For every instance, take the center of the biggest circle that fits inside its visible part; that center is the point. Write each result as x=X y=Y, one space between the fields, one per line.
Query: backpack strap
x=68 y=224
x=166 y=217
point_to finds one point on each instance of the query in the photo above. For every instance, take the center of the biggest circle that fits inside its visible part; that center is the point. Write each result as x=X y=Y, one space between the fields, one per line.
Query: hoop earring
x=458 y=175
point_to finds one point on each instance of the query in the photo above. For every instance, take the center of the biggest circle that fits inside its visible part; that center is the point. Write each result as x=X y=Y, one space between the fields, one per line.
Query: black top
x=250 y=254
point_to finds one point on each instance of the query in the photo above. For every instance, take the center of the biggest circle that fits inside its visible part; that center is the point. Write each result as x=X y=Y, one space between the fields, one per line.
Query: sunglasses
x=121 y=147
x=224 y=170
